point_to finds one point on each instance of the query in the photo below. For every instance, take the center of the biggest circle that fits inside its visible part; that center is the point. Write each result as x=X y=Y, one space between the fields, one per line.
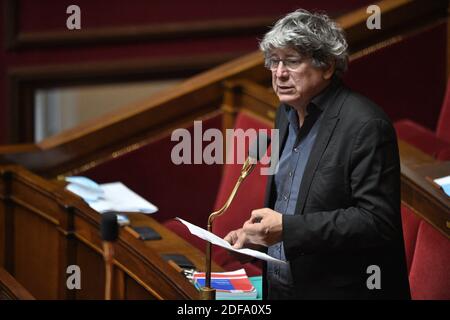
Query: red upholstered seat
x=410 y=222
x=436 y=143
x=429 y=275
x=249 y=197
x=421 y=137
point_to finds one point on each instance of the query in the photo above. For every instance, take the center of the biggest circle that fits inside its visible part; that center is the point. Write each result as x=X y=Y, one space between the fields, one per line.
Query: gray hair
x=314 y=35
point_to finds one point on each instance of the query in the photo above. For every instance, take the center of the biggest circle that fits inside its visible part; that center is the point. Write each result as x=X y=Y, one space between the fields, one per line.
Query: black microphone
x=109 y=230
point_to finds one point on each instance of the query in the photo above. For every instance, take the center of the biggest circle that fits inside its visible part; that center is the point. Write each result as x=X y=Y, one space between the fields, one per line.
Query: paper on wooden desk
x=444 y=183
x=210 y=237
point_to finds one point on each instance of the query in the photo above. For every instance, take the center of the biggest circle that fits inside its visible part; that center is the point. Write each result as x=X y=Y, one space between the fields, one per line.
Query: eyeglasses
x=291 y=64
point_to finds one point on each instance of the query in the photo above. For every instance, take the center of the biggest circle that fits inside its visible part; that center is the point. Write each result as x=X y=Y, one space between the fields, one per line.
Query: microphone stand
x=109 y=230
x=108 y=255
x=206 y=292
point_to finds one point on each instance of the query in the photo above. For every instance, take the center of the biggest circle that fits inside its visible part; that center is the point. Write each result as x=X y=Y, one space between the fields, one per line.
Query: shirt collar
x=322 y=100
x=318 y=103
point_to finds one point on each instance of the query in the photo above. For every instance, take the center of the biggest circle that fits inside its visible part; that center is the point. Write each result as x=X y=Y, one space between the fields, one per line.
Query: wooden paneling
x=92 y=273
x=134 y=291
x=53 y=229
x=10 y=289
x=36 y=254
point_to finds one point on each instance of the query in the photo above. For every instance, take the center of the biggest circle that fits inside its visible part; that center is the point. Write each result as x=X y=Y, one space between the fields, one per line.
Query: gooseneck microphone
x=109 y=230
x=256 y=152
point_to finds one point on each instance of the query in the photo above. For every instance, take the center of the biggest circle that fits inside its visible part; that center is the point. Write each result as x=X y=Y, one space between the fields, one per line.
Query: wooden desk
x=45 y=229
x=10 y=289
x=418 y=193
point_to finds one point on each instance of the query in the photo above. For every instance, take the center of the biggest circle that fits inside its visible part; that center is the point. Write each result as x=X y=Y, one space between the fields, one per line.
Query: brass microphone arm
x=208 y=293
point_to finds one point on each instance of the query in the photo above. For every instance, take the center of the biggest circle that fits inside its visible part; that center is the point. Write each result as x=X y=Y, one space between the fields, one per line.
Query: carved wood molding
x=16 y=39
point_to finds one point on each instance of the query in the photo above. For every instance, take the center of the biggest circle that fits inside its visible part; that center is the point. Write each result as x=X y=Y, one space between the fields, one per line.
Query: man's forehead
x=284 y=52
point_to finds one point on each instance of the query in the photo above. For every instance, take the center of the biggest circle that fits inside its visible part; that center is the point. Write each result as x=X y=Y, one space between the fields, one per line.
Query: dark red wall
x=407 y=79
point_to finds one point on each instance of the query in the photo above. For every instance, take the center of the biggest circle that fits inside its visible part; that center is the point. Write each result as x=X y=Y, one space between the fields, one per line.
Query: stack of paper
x=228 y=285
x=106 y=197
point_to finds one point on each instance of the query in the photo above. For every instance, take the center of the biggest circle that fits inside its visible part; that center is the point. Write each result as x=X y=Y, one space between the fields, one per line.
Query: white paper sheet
x=443 y=181
x=106 y=197
x=210 y=237
x=117 y=197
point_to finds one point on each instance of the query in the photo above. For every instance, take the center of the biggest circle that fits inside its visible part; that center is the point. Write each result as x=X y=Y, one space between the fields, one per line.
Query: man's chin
x=286 y=99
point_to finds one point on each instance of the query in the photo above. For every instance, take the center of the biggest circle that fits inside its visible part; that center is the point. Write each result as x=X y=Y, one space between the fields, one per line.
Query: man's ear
x=329 y=69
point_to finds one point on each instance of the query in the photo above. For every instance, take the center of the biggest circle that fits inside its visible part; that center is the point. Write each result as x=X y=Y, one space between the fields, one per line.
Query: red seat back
x=429 y=276
x=251 y=193
x=410 y=222
x=250 y=196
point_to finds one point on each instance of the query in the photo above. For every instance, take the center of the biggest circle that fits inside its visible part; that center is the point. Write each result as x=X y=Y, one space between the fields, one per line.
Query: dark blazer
x=348 y=213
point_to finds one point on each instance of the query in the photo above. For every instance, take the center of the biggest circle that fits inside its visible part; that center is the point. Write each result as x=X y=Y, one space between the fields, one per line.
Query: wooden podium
x=45 y=229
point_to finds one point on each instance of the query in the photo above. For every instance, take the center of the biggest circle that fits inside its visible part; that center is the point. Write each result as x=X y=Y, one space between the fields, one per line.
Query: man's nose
x=281 y=70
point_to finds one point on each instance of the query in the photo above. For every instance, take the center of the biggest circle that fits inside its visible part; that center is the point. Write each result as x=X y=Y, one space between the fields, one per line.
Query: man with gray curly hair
x=311 y=35
x=332 y=209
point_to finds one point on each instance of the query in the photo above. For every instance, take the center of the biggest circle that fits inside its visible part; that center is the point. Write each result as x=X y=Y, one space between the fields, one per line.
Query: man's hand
x=238 y=240
x=264 y=227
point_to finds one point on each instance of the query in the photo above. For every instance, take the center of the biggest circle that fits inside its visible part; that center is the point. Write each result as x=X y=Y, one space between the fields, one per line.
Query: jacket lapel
x=326 y=130
x=282 y=126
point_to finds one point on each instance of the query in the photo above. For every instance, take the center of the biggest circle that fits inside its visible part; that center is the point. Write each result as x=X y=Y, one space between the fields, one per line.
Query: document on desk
x=118 y=197
x=107 y=197
x=444 y=183
x=210 y=237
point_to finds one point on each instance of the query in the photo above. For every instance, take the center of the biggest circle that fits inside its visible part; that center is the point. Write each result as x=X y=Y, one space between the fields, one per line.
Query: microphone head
x=259 y=147
x=109 y=227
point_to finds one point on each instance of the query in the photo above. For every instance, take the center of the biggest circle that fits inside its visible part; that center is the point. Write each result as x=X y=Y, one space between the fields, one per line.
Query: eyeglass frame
x=270 y=61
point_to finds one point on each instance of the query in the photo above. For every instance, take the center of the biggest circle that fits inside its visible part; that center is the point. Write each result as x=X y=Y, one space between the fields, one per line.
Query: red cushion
x=420 y=137
x=250 y=196
x=443 y=127
x=410 y=222
x=430 y=270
